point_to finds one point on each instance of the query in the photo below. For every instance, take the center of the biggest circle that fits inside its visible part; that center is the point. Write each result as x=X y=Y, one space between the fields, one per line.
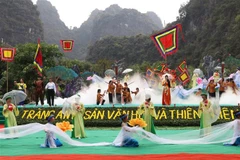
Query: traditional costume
x=206 y=114
x=124 y=138
x=111 y=91
x=9 y=112
x=126 y=78
x=119 y=88
x=216 y=76
x=127 y=95
x=100 y=99
x=147 y=111
x=22 y=87
x=194 y=80
x=39 y=91
x=78 y=122
x=166 y=94
x=51 y=141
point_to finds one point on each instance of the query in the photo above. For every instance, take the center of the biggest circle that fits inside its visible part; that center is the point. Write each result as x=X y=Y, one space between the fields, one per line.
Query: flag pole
x=166 y=61
x=7 y=76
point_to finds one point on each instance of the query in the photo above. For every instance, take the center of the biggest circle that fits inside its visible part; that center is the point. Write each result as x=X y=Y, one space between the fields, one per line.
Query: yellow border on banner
x=65 y=48
x=174 y=40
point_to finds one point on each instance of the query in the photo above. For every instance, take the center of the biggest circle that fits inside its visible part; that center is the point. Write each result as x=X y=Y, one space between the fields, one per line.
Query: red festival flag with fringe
x=183 y=66
x=67 y=45
x=167 y=40
x=38 y=59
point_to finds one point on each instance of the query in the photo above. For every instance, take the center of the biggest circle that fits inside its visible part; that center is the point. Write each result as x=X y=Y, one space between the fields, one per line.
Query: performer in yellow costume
x=78 y=122
x=147 y=111
x=206 y=114
x=9 y=112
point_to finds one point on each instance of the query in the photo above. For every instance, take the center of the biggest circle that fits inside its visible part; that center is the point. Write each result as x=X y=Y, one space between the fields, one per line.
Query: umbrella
x=198 y=71
x=16 y=95
x=167 y=74
x=127 y=70
x=110 y=72
x=218 y=68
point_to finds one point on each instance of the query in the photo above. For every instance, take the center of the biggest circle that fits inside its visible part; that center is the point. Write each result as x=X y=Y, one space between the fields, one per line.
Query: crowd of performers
x=146 y=110
x=42 y=87
x=117 y=91
x=122 y=94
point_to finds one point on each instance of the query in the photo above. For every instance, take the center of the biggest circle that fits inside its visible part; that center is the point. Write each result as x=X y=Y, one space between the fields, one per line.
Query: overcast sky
x=75 y=12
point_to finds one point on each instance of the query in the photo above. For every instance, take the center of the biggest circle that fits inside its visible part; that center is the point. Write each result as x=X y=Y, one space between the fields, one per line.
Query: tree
x=23 y=67
x=81 y=65
x=101 y=66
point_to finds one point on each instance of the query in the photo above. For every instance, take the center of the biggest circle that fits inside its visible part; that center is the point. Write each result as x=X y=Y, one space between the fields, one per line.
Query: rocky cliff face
x=54 y=28
x=20 y=22
x=113 y=21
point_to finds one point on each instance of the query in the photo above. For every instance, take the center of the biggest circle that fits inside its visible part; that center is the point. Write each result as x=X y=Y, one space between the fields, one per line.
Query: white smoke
x=88 y=94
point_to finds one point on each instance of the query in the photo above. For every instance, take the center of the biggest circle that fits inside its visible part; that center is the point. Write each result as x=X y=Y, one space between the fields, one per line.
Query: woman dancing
x=166 y=95
x=124 y=138
x=51 y=141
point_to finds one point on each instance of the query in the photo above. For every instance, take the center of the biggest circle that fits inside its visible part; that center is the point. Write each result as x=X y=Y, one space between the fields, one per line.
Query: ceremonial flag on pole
x=7 y=54
x=149 y=73
x=160 y=68
x=184 y=77
x=183 y=66
x=167 y=40
x=38 y=59
x=67 y=45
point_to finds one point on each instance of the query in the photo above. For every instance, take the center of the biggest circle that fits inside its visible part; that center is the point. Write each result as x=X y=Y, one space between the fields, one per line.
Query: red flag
x=38 y=59
x=67 y=45
x=167 y=40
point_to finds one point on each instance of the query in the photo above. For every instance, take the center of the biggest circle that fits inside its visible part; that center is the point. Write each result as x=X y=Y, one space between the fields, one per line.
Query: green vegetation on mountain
x=19 y=22
x=210 y=27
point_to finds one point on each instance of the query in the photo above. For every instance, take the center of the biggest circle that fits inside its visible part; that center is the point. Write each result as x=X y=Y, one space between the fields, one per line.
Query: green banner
x=109 y=117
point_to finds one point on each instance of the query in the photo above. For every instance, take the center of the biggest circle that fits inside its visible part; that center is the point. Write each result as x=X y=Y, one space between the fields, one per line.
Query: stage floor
x=30 y=145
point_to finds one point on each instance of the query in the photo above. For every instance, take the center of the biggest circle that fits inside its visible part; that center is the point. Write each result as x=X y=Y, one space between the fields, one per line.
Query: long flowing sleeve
x=200 y=109
x=210 y=110
x=16 y=111
x=82 y=109
x=129 y=129
x=141 y=110
x=5 y=112
x=152 y=110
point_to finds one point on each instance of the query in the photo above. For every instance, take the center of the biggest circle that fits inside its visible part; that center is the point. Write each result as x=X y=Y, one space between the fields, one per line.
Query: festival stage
x=29 y=148
x=108 y=116
x=106 y=126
